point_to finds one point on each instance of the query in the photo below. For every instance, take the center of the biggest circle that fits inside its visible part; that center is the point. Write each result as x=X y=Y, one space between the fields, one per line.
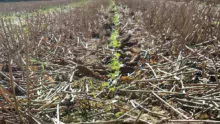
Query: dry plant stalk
x=27 y=70
x=9 y=52
x=153 y=34
x=13 y=89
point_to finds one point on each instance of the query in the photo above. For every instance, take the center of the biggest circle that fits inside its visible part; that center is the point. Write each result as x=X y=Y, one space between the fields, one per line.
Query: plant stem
x=27 y=71
x=13 y=87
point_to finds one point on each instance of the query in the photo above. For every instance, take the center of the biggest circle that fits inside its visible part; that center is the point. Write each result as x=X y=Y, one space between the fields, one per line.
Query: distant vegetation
x=30 y=5
x=17 y=0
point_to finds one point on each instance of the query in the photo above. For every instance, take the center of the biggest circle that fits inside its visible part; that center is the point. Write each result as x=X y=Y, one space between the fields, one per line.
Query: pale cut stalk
x=10 y=72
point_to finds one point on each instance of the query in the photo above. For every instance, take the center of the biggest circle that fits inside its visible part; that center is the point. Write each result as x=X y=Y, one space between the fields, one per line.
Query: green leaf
x=118 y=114
x=94 y=94
x=105 y=84
x=117 y=55
x=112 y=89
x=42 y=65
x=114 y=74
x=115 y=64
x=34 y=60
x=91 y=83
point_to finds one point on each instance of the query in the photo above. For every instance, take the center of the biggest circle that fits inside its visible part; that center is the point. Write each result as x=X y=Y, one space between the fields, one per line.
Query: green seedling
x=118 y=114
x=114 y=42
x=116 y=19
x=114 y=64
x=114 y=74
x=112 y=89
x=105 y=84
x=117 y=55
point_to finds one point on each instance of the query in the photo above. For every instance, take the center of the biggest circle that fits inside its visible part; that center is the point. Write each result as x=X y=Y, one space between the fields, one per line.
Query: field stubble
x=6 y=7
x=169 y=51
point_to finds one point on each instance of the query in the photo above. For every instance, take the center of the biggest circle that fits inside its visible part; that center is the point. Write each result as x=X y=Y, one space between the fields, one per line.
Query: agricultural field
x=30 y=5
x=110 y=62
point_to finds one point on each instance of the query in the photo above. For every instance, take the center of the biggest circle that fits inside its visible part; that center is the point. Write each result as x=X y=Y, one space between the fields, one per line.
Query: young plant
x=116 y=18
x=115 y=44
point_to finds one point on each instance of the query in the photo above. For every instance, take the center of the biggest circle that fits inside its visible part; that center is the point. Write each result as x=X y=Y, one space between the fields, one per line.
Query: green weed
x=114 y=42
